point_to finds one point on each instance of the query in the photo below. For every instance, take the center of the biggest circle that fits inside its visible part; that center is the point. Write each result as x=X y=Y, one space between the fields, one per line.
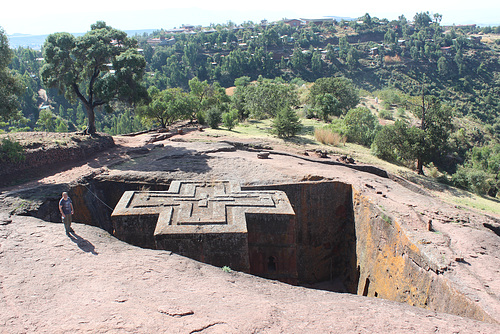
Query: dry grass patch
x=328 y=137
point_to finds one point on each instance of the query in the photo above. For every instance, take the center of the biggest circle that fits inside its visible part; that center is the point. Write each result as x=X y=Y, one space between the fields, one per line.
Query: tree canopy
x=10 y=85
x=266 y=98
x=167 y=106
x=325 y=90
x=424 y=143
x=98 y=68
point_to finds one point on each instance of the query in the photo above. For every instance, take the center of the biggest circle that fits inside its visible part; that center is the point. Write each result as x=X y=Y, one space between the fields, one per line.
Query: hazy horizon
x=56 y=15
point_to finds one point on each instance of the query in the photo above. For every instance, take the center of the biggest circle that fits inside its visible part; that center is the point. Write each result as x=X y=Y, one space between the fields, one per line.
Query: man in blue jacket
x=66 y=209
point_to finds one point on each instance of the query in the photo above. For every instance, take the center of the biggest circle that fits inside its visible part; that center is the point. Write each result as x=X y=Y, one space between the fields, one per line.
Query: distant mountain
x=36 y=41
x=32 y=41
x=140 y=32
x=20 y=35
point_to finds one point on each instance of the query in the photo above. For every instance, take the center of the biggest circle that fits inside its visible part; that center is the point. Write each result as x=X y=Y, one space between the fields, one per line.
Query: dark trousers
x=67 y=221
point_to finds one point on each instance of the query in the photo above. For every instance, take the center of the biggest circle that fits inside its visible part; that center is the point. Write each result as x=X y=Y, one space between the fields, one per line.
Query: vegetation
x=325 y=135
x=166 y=106
x=214 y=117
x=265 y=98
x=226 y=269
x=230 y=119
x=333 y=96
x=79 y=68
x=437 y=88
x=11 y=151
x=286 y=124
x=361 y=126
x=10 y=84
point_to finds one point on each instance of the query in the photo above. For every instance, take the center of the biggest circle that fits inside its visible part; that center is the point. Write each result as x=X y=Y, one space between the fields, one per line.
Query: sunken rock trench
x=330 y=237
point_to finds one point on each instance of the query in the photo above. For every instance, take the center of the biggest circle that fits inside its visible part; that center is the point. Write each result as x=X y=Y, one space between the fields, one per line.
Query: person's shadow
x=83 y=244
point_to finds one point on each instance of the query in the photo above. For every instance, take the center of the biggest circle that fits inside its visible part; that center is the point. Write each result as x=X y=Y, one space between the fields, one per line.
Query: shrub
x=433 y=171
x=230 y=119
x=402 y=113
x=214 y=117
x=286 y=123
x=472 y=179
x=226 y=269
x=309 y=112
x=361 y=126
x=382 y=146
x=386 y=114
x=11 y=151
x=200 y=117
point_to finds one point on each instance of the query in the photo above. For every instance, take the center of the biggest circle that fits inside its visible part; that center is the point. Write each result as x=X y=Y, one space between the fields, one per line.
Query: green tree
x=423 y=144
x=344 y=47
x=422 y=20
x=97 y=68
x=10 y=84
x=316 y=64
x=206 y=96
x=435 y=128
x=390 y=36
x=459 y=60
x=397 y=143
x=286 y=124
x=242 y=81
x=11 y=151
x=230 y=119
x=265 y=99
x=442 y=65
x=352 y=58
x=328 y=106
x=298 y=60
x=214 y=117
x=166 y=106
x=61 y=125
x=361 y=126
x=46 y=121
x=340 y=88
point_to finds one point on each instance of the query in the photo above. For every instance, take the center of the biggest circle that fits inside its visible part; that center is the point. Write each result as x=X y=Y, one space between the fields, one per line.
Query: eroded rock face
x=392 y=267
x=65 y=147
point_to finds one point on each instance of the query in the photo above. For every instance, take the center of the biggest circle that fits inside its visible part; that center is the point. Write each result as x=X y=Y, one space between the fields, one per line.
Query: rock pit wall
x=224 y=249
x=96 y=199
x=324 y=234
x=272 y=247
x=392 y=267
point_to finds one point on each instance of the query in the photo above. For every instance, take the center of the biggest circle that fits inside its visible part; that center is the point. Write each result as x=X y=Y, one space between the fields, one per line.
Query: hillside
x=390 y=64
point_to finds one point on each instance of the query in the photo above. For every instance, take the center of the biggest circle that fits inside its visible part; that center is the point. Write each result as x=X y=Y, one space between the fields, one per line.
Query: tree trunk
x=89 y=106
x=91 y=120
x=420 y=167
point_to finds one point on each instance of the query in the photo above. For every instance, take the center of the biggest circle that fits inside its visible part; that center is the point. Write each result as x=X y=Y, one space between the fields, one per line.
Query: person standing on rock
x=66 y=209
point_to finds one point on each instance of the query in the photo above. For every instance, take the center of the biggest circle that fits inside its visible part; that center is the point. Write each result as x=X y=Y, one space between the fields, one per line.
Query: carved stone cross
x=192 y=207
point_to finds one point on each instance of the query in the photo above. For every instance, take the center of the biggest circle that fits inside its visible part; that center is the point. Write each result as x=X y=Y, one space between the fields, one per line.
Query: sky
x=49 y=16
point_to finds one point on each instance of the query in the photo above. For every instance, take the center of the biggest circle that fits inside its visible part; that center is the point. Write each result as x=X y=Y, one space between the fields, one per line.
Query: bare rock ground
x=91 y=282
